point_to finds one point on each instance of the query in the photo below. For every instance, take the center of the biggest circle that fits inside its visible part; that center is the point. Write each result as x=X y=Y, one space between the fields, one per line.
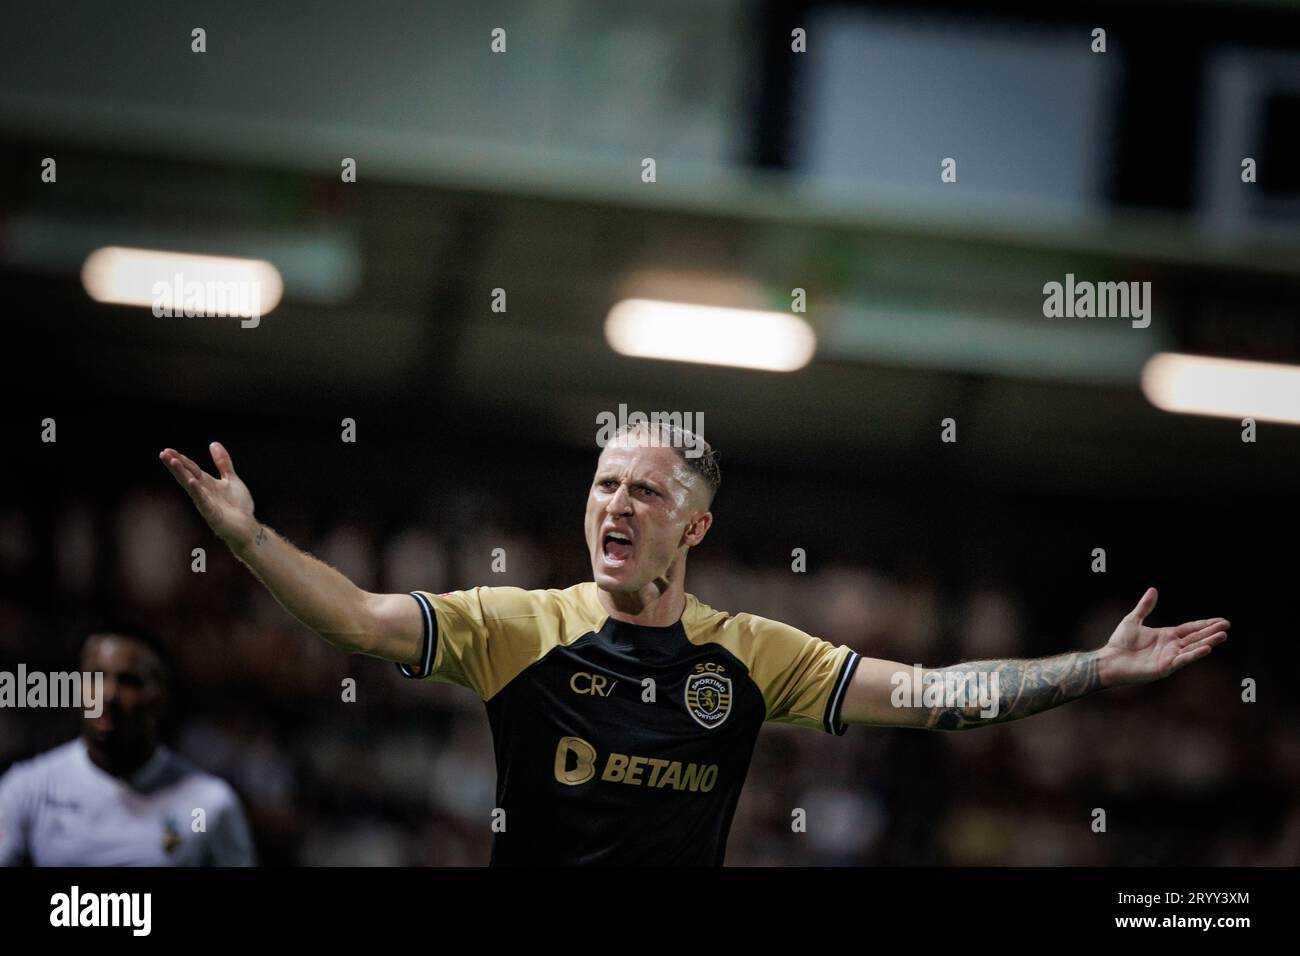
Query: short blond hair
x=679 y=439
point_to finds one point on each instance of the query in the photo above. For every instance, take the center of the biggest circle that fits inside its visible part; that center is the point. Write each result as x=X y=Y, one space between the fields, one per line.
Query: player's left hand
x=1137 y=654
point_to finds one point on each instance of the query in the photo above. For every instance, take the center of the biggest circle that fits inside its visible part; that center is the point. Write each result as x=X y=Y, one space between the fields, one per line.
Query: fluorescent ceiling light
x=212 y=285
x=680 y=332
x=1227 y=388
x=319 y=263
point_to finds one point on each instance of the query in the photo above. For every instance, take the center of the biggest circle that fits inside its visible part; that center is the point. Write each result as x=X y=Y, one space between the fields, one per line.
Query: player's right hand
x=225 y=502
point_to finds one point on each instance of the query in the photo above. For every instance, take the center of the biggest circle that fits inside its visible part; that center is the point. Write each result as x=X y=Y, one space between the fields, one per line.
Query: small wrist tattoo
x=261 y=535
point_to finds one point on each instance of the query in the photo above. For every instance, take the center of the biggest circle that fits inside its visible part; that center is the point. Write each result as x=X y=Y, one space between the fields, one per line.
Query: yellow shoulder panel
x=800 y=676
x=488 y=635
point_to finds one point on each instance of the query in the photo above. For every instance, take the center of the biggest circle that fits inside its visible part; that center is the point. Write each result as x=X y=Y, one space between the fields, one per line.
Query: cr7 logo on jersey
x=708 y=694
x=594 y=684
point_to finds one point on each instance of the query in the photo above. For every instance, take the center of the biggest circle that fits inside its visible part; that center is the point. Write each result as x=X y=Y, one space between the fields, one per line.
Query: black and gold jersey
x=618 y=743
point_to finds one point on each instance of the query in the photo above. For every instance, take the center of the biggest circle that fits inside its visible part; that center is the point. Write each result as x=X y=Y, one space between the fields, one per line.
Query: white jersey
x=60 y=809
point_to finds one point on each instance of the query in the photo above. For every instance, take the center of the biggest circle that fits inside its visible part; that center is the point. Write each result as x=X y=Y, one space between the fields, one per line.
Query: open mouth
x=617 y=548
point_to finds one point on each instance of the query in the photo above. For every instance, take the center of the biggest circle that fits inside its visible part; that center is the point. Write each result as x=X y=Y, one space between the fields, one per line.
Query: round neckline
x=609 y=617
x=651 y=628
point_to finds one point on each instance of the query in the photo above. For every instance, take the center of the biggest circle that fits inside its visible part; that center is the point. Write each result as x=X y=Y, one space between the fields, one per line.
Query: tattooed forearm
x=1011 y=689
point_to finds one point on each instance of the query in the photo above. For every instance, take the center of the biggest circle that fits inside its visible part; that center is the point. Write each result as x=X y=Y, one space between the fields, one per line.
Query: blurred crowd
x=1185 y=772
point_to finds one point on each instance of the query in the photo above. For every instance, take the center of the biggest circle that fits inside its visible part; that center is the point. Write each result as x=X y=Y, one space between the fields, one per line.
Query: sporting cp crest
x=708 y=698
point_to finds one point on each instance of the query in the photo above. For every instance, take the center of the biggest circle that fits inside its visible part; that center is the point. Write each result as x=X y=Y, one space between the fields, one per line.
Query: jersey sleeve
x=430 y=641
x=14 y=814
x=232 y=840
x=481 y=638
x=803 y=678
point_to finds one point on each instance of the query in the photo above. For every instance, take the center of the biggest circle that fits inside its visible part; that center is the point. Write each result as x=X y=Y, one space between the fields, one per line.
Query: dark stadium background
x=476 y=429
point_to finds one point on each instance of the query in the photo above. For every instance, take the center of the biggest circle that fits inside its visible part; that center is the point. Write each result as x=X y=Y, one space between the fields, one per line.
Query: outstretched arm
x=389 y=626
x=980 y=693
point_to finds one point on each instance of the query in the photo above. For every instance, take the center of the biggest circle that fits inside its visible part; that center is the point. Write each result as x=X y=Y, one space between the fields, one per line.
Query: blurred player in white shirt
x=115 y=796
